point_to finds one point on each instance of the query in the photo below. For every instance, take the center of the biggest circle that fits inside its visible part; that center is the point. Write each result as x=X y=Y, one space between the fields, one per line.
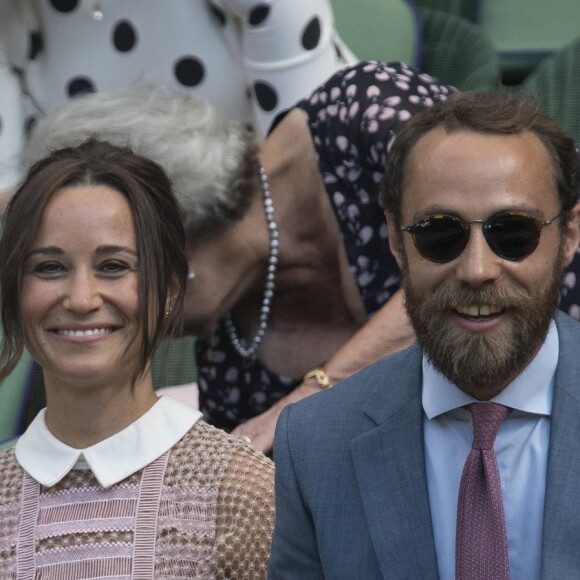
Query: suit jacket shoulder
x=361 y=401
x=561 y=533
x=350 y=469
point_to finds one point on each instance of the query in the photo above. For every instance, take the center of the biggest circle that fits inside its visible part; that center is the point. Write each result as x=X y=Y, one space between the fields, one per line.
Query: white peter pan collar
x=48 y=460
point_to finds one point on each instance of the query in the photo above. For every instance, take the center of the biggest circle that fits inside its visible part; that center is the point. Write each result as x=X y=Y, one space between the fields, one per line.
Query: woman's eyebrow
x=103 y=250
x=100 y=251
x=48 y=250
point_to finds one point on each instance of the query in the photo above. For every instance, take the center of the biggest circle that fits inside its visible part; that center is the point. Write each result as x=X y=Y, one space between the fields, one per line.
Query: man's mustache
x=450 y=296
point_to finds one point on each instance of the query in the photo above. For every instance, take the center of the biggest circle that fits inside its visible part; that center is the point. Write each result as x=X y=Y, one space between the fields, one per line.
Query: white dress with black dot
x=249 y=58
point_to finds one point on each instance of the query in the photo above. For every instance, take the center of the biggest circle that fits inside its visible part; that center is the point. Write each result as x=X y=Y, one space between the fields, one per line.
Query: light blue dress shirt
x=521 y=448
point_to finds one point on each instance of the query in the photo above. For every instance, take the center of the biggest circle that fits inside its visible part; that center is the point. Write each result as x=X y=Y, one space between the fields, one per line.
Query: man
x=481 y=197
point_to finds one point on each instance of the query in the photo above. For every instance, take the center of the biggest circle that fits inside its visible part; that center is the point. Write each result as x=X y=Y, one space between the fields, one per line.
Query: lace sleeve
x=245 y=515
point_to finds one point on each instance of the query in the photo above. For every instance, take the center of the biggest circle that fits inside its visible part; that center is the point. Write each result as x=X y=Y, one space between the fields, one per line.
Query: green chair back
x=379 y=29
x=458 y=52
x=13 y=397
x=556 y=85
x=464 y=8
x=525 y=31
x=174 y=362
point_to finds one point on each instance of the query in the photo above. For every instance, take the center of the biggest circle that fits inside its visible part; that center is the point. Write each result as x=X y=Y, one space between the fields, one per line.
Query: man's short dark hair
x=486 y=113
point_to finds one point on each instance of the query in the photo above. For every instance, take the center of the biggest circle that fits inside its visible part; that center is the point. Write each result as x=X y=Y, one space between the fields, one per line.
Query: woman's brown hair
x=158 y=230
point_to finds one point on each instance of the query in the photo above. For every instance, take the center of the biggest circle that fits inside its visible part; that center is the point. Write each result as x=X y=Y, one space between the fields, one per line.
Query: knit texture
x=481 y=543
x=204 y=509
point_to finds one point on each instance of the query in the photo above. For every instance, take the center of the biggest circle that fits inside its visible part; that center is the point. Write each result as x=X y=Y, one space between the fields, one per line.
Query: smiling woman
x=89 y=287
x=79 y=292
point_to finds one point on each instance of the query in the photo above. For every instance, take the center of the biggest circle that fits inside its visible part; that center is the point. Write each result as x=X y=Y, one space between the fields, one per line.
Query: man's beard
x=482 y=364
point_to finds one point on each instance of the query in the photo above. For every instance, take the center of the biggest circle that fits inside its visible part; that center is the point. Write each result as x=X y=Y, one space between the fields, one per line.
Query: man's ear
x=395 y=239
x=572 y=234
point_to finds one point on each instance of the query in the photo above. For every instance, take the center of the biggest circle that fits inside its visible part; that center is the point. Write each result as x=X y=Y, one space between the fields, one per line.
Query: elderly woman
x=294 y=281
x=293 y=274
x=110 y=480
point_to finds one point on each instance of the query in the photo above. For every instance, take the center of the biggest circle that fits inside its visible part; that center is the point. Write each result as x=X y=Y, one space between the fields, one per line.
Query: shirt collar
x=48 y=460
x=531 y=391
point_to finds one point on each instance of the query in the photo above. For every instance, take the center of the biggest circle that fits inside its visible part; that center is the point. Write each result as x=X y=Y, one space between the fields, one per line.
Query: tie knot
x=487 y=417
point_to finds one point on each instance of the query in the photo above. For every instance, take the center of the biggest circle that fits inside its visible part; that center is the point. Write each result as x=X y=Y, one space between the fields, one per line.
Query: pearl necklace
x=253 y=345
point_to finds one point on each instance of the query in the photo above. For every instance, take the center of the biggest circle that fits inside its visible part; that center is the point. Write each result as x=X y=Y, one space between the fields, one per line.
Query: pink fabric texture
x=481 y=549
x=204 y=509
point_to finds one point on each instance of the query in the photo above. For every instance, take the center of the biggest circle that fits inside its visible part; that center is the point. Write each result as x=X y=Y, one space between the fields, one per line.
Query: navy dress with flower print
x=353 y=119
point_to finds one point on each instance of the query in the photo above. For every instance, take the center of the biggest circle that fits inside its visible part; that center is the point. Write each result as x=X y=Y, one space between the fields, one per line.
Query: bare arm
x=388 y=331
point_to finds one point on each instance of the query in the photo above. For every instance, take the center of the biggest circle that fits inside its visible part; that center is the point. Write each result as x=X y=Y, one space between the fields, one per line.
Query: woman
x=109 y=480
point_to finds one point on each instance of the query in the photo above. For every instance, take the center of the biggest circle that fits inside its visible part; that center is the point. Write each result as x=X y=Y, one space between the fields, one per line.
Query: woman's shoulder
x=8 y=462
x=368 y=103
x=209 y=454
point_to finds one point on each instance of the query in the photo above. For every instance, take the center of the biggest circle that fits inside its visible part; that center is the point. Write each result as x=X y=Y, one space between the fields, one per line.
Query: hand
x=261 y=428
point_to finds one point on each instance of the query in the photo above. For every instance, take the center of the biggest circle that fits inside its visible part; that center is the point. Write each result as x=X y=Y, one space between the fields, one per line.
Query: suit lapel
x=561 y=534
x=390 y=468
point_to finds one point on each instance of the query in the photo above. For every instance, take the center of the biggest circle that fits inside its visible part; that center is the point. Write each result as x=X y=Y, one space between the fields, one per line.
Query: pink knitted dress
x=203 y=509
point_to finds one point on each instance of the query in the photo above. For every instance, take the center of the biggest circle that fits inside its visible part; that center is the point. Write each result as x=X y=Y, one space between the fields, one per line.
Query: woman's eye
x=48 y=269
x=115 y=268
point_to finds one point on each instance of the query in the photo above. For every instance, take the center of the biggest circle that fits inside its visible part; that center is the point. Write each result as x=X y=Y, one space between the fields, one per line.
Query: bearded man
x=458 y=457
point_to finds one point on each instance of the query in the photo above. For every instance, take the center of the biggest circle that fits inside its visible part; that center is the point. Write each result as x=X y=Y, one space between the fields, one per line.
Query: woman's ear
x=172 y=294
x=395 y=239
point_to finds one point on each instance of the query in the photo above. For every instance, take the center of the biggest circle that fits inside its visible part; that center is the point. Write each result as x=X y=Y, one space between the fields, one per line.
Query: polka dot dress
x=249 y=58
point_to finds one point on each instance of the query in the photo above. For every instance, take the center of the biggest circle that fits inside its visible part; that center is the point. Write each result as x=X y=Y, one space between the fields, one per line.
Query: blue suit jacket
x=351 y=484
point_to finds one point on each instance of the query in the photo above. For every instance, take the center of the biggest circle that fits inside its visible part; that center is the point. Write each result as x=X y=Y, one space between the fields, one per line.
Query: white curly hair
x=211 y=162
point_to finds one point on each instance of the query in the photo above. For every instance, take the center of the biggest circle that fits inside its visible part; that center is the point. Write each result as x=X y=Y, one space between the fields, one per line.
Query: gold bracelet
x=320 y=376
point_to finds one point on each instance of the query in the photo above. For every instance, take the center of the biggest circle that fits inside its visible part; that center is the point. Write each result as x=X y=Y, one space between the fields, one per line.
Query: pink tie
x=481 y=550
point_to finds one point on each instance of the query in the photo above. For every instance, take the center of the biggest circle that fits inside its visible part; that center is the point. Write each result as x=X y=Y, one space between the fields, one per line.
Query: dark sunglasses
x=512 y=235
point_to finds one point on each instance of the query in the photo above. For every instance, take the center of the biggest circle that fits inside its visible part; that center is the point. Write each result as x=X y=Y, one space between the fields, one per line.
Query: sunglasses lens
x=440 y=238
x=512 y=236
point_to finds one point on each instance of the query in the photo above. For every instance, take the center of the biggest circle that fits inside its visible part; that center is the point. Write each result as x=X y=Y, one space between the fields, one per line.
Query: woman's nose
x=83 y=293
